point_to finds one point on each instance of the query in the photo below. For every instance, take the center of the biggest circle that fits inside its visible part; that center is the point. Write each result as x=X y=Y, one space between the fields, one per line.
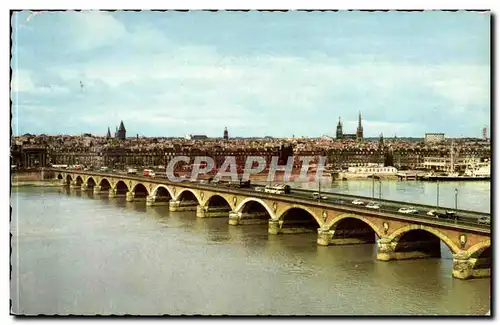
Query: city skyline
x=170 y=74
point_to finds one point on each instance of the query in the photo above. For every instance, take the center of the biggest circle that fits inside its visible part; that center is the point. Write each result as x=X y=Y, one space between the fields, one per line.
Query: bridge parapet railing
x=392 y=202
x=454 y=223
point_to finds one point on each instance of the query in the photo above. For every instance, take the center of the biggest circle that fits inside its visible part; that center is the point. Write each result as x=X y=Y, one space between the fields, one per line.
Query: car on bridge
x=358 y=202
x=408 y=210
x=373 y=205
x=214 y=181
x=484 y=220
x=240 y=184
x=316 y=195
x=443 y=214
x=259 y=189
x=278 y=189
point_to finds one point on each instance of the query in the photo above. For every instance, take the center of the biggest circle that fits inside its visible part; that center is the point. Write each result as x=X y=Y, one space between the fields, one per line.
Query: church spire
x=122 y=127
x=121 y=132
x=359 y=131
x=108 y=135
x=339 y=134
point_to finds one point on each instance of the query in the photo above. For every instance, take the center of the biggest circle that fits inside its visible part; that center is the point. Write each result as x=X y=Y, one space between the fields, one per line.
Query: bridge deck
x=342 y=202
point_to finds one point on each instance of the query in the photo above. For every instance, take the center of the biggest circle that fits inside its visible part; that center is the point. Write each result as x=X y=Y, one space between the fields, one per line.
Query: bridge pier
x=324 y=237
x=248 y=218
x=280 y=227
x=84 y=186
x=73 y=185
x=392 y=250
x=345 y=237
x=274 y=227
x=132 y=196
x=463 y=267
x=156 y=201
x=176 y=205
x=212 y=212
x=114 y=193
x=97 y=189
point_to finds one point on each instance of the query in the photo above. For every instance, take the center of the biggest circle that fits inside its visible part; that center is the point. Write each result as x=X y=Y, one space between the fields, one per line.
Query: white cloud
x=21 y=81
x=93 y=29
x=464 y=86
x=211 y=89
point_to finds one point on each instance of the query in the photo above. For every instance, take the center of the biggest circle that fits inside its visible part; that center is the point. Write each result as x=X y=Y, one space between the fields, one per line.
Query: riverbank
x=35 y=183
x=349 y=176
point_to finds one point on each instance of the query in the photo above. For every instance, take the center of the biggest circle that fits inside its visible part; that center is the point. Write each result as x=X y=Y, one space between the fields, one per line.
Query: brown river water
x=76 y=253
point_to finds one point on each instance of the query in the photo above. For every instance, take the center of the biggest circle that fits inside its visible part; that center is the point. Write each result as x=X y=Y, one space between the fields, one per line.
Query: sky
x=276 y=74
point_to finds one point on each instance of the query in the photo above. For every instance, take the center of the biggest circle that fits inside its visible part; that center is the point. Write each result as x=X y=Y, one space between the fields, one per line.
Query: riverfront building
x=433 y=137
x=95 y=151
x=373 y=170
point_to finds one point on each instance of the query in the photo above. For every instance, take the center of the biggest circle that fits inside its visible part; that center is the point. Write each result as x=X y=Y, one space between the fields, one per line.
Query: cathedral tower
x=339 y=130
x=359 y=131
x=121 y=132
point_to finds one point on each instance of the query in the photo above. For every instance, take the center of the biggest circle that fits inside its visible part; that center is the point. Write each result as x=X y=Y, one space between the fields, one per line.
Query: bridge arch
x=353 y=229
x=91 y=181
x=245 y=204
x=78 y=180
x=188 y=194
x=398 y=234
x=162 y=191
x=299 y=217
x=479 y=248
x=159 y=191
x=140 y=190
x=69 y=179
x=105 y=184
x=336 y=221
x=217 y=200
x=60 y=176
x=121 y=187
x=481 y=258
x=301 y=207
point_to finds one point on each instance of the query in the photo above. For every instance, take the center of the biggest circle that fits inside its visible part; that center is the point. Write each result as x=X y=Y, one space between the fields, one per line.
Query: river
x=473 y=196
x=76 y=253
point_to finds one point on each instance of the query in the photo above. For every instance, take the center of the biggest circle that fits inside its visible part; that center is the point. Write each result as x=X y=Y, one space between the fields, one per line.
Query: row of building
x=32 y=151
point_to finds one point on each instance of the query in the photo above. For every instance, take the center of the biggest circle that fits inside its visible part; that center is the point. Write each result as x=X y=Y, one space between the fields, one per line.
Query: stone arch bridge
x=398 y=237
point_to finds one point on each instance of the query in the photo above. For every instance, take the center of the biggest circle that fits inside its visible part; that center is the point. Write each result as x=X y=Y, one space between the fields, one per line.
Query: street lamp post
x=456 y=199
x=373 y=186
x=319 y=189
x=380 y=190
x=437 y=199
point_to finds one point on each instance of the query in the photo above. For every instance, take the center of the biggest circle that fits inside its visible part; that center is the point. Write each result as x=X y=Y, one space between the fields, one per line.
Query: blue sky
x=278 y=74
